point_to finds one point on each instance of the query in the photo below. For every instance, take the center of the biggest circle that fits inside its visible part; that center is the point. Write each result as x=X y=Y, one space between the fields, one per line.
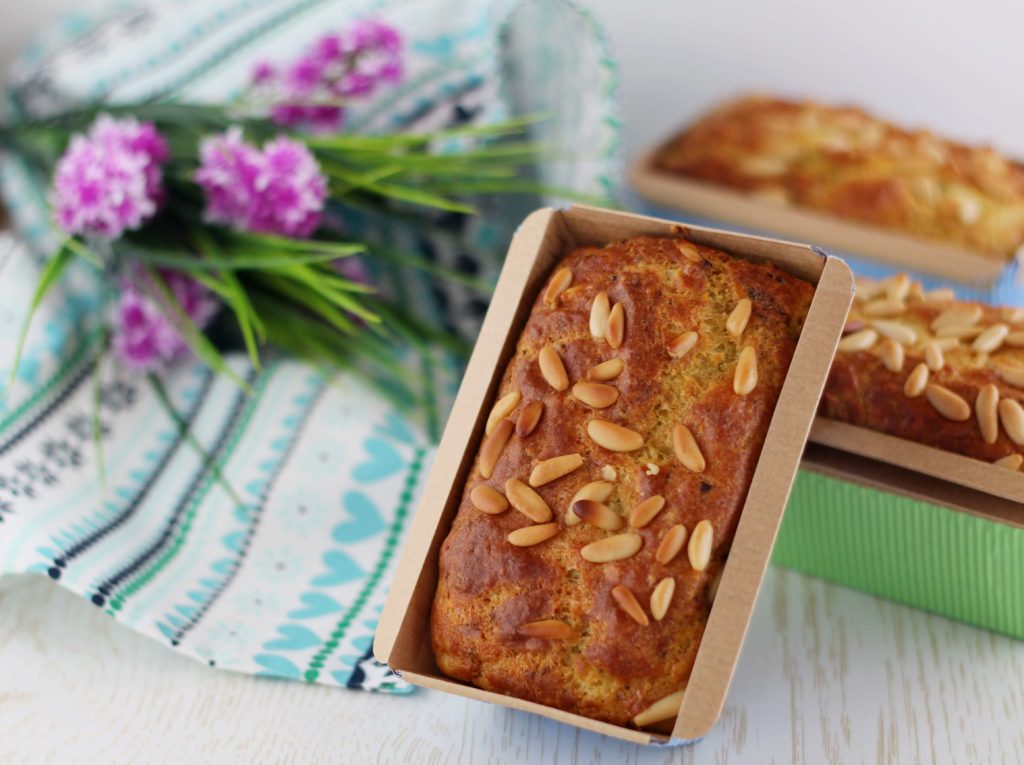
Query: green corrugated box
x=907 y=537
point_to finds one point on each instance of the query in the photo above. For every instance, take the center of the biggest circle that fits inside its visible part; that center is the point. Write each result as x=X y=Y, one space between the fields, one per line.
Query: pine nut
x=527 y=501
x=662 y=597
x=1012 y=376
x=1012 y=315
x=488 y=500
x=745 y=378
x=1015 y=340
x=614 y=437
x=608 y=473
x=600 y=309
x=892 y=354
x=553 y=468
x=941 y=295
x=957 y=316
x=686 y=449
x=597 y=491
x=597 y=514
x=946 y=344
x=552 y=369
x=615 y=329
x=884 y=308
x=606 y=370
x=897 y=286
x=559 y=283
x=947 y=403
x=682 y=344
x=1012 y=416
x=867 y=289
x=596 y=395
x=986 y=407
x=990 y=340
x=934 y=357
x=627 y=602
x=644 y=512
x=671 y=544
x=549 y=629
x=1012 y=461
x=853 y=325
x=916 y=381
x=493 y=446
x=959 y=332
x=858 y=341
x=699 y=548
x=617 y=547
x=737 y=321
x=689 y=252
x=901 y=333
x=503 y=407
x=528 y=536
x=528 y=418
x=662 y=709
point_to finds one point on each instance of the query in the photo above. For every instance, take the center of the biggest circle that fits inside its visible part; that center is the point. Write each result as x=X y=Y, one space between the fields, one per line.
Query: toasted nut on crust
x=644 y=512
x=597 y=514
x=892 y=355
x=488 y=500
x=662 y=709
x=858 y=341
x=606 y=370
x=686 y=449
x=990 y=340
x=551 y=469
x=737 y=321
x=493 y=446
x=986 y=407
x=527 y=501
x=1012 y=461
x=596 y=395
x=528 y=418
x=528 y=536
x=699 y=548
x=551 y=629
x=957 y=316
x=901 y=333
x=934 y=357
x=671 y=544
x=885 y=308
x=559 y=283
x=600 y=309
x=916 y=381
x=662 y=597
x=615 y=329
x=552 y=369
x=617 y=547
x=627 y=602
x=1012 y=416
x=947 y=403
x=503 y=407
x=682 y=344
x=745 y=378
x=614 y=437
x=598 y=491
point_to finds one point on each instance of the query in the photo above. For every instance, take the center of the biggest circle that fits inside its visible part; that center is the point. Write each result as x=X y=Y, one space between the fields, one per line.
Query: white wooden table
x=827 y=675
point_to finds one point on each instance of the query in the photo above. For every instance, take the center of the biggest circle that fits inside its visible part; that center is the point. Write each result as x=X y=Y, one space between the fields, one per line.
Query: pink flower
x=110 y=179
x=276 y=190
x=145 y=338
x=337 y=66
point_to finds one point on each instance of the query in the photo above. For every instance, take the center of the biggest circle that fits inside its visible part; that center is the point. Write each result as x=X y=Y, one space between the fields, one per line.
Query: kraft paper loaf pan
x=403 y=636
x=953 y=548
x=870 y=250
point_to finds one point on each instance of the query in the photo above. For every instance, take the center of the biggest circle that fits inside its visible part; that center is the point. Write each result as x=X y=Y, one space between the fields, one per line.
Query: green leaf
x=55 y=267
x=192 y=264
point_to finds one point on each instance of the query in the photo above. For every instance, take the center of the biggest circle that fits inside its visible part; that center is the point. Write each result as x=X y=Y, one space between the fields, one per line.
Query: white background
x=956 y=67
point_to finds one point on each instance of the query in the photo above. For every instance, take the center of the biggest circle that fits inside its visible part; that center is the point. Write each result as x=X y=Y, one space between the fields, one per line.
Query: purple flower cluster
x=110 y=179
x=276 y=190
x=338 y=67
x=145 y=338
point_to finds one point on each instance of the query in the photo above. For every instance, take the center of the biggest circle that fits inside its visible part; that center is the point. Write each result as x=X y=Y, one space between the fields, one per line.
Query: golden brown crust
x=862 y=391
x=845 y=162
x=612 y=667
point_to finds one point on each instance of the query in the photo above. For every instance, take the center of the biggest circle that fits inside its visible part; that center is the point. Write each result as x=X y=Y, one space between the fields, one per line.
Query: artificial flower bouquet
x=195 y=214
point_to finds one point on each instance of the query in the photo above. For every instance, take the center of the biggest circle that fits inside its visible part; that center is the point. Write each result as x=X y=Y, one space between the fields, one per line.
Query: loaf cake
x=581 y=565
x=850 y=164
x=926 y=367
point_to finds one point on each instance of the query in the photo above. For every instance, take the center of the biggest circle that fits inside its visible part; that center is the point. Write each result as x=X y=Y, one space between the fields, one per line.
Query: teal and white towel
x=283 y=575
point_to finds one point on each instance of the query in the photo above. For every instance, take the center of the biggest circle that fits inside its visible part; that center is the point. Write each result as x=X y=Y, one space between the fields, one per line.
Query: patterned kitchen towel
x=281 y=568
